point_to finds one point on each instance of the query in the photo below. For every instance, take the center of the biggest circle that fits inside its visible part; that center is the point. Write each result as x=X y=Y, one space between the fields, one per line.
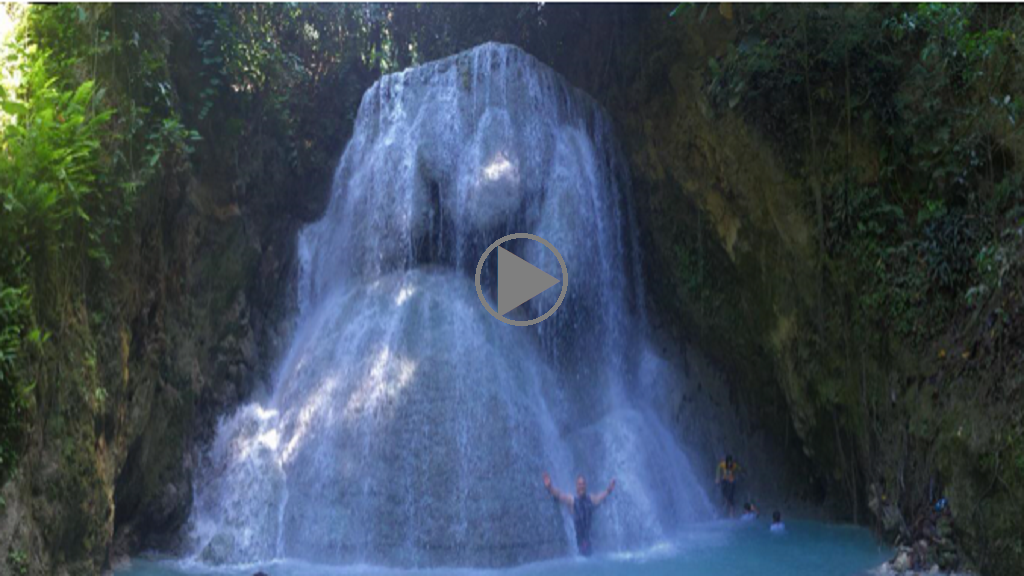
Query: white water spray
x=407 y=426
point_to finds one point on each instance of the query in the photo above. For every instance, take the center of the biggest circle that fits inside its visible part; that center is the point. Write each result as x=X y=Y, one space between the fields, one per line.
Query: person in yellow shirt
x=726 y=475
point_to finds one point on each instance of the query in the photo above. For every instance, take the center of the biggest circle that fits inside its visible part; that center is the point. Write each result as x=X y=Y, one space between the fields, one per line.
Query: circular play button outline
x=549 y=246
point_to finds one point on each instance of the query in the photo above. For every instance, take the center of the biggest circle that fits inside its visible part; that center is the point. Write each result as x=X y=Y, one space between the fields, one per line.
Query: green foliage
x=72 y=159
x=263 y=66
x=903 y=121
x=49 y=165
x=17 y=561
x=933 y=84
x=792 y=65
x=14 y=306
x=50 y=160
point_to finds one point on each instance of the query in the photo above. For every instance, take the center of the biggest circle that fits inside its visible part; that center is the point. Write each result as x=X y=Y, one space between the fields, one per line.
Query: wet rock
x=889 y=569
x=920 y=559
x=220 y=548
x=902 y=561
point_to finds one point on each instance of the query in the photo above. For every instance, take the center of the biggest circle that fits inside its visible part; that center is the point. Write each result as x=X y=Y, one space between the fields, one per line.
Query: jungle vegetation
x=900 y=122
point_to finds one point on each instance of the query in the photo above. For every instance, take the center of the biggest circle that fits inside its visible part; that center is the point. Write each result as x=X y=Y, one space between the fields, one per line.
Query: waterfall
x=408 y=427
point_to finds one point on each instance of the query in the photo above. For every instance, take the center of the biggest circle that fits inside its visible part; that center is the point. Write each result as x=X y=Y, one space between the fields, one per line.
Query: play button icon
x=519 y=281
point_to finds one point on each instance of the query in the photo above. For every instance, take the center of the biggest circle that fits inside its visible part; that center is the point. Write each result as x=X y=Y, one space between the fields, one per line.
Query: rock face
x=736 y=269
x=180 y=329
x=406 y=426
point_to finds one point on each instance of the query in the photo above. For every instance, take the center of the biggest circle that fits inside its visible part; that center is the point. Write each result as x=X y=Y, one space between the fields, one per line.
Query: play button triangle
x=519 y=281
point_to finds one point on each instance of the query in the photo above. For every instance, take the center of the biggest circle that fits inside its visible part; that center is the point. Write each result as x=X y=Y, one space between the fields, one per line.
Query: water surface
x=724 y=548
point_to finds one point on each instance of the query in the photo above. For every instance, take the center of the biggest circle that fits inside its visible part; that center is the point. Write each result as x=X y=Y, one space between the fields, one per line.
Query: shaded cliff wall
x=850 y=265
x=720 y=213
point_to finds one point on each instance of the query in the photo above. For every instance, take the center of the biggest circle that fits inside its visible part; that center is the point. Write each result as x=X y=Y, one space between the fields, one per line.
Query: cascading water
x=407 y=427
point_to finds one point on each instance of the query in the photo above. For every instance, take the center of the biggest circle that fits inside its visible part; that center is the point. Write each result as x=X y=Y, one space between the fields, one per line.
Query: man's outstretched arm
x=560 y=496
x=600 y=497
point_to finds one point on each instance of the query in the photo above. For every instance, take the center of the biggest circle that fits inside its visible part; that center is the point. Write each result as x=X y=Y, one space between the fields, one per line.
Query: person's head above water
x=581 y=485
x=776 y=517
x=747 y=507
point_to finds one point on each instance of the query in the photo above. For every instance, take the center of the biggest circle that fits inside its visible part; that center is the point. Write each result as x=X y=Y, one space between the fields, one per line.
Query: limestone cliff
x=185 y=323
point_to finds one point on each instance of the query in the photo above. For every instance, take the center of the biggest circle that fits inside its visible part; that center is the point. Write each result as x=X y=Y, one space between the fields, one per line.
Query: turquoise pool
x=723 y=548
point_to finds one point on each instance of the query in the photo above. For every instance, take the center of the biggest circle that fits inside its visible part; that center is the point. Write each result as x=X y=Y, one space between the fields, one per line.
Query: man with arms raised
x=581 y=506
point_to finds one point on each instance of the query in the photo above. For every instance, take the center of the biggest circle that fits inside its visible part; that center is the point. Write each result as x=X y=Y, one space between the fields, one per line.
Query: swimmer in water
x=777 y=525
x=582 y=506
x=749 y=512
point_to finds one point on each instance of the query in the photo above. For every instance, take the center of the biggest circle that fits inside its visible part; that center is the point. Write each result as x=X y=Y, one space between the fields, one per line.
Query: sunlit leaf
x=14 y=108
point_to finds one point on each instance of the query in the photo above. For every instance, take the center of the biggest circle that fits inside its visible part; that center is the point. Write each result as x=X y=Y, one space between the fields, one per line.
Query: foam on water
x=406 y=426
x=724 y=548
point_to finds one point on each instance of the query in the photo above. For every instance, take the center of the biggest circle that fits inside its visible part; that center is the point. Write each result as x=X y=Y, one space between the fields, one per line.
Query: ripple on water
x=727 y=548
